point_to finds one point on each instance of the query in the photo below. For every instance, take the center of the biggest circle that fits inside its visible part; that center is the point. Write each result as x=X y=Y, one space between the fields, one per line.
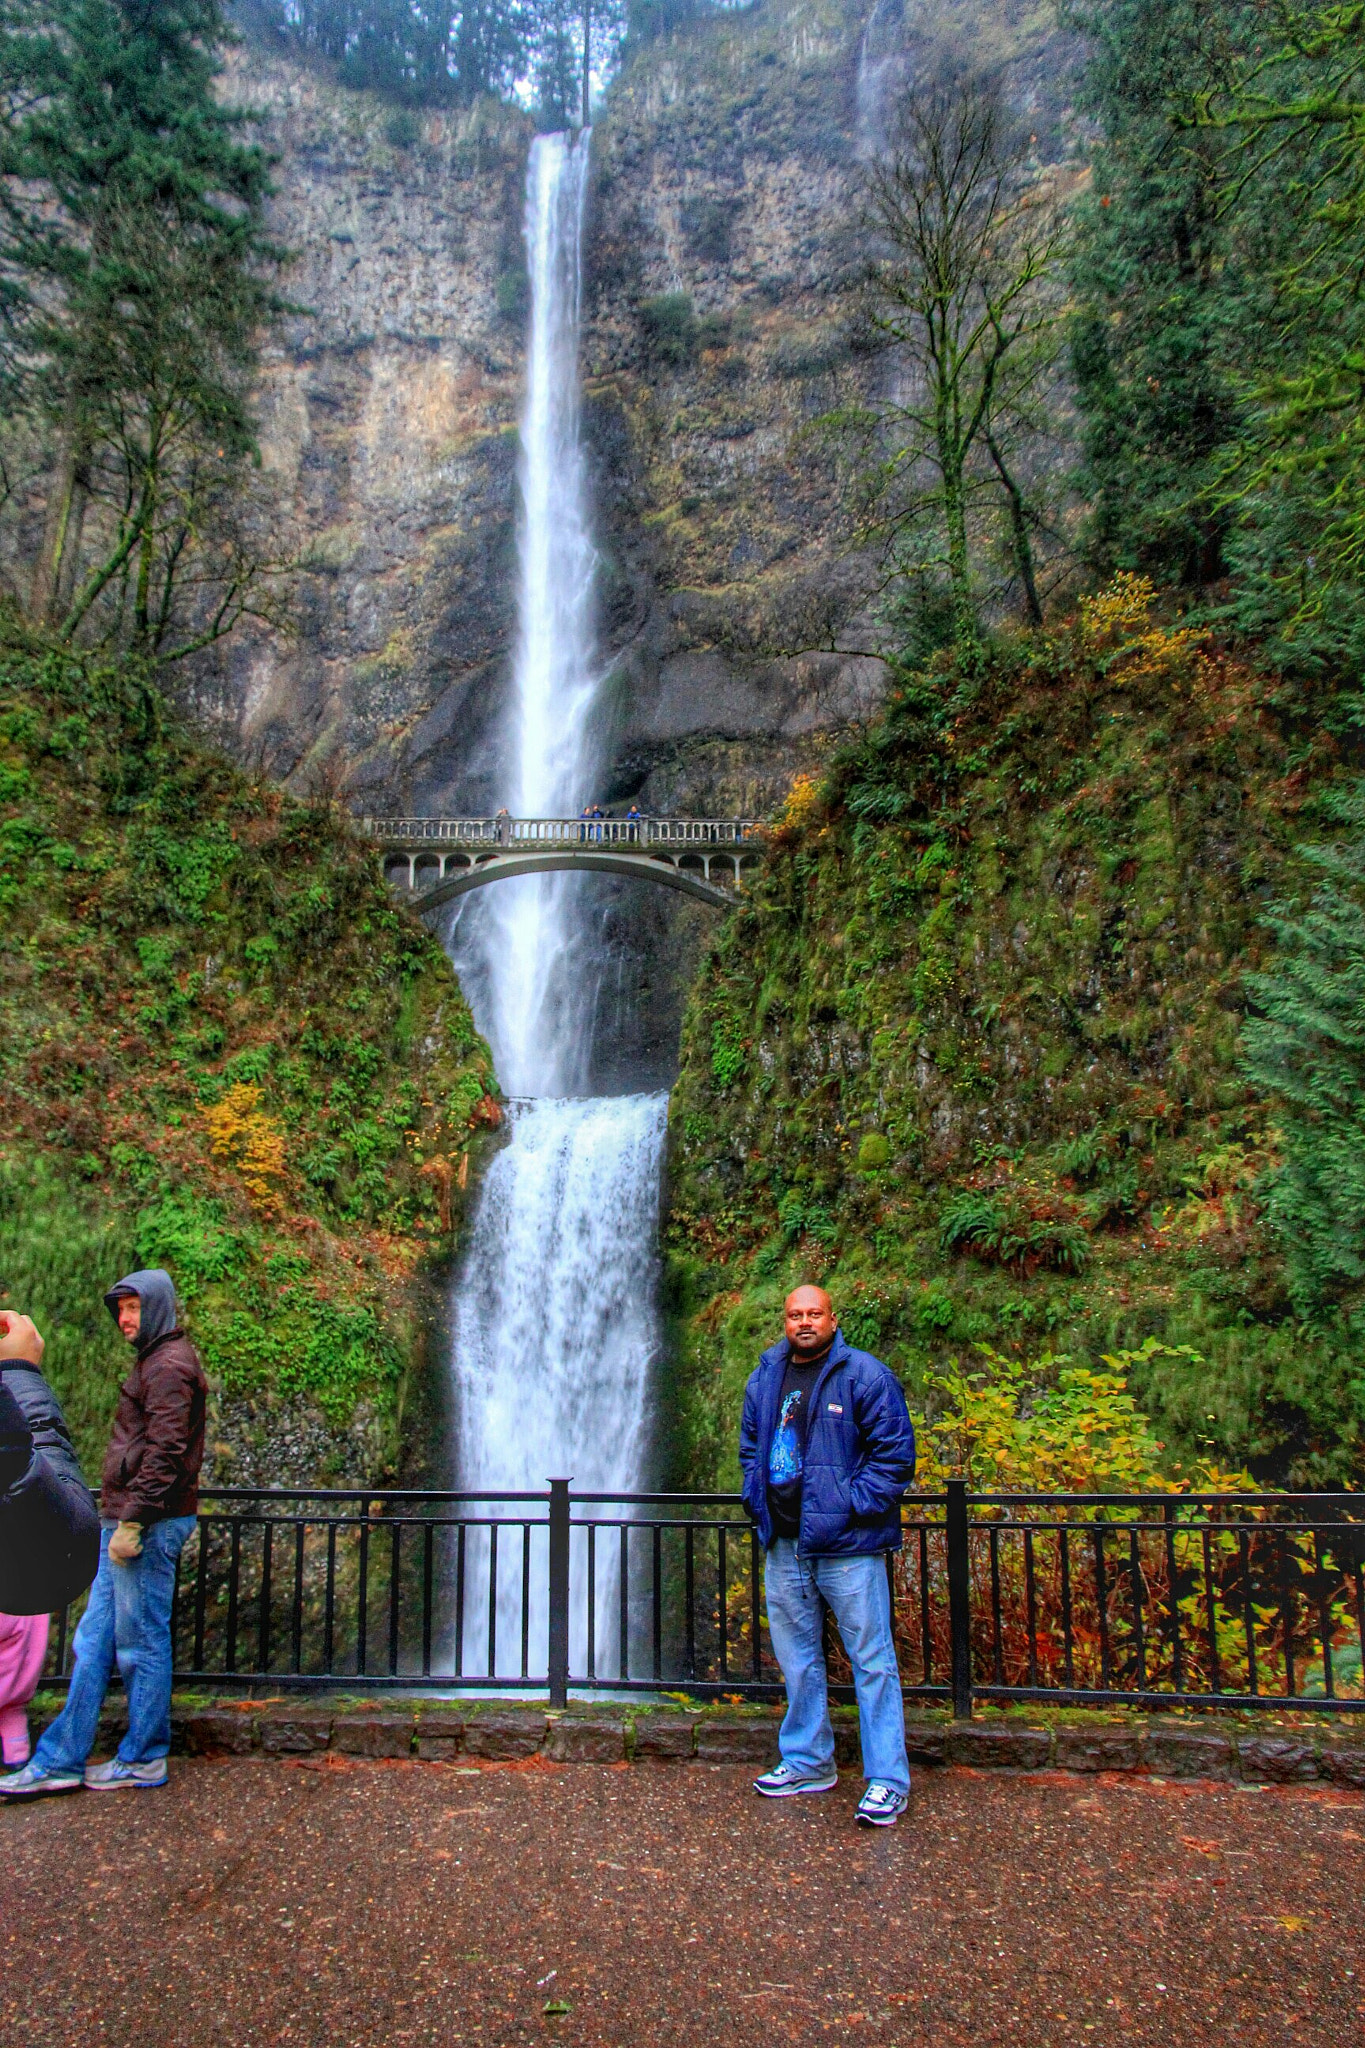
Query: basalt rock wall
x=388 y=409
x=721 y=340
x=722 y=219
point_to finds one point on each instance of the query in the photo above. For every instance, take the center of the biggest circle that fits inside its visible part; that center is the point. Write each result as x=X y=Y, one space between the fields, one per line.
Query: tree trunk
x=955 y=523
x=1019 y=540
x=61 y=539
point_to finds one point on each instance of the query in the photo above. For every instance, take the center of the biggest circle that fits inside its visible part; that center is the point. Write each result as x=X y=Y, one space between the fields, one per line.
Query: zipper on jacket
x=811 y=1412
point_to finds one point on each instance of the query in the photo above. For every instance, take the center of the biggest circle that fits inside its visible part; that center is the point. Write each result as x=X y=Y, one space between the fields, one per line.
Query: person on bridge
x=149 y=1500
x=503 y=825
x=827 y=1450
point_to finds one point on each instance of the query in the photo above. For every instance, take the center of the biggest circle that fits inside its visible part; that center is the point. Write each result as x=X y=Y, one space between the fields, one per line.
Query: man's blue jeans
x=128 y=1619
x=856 y=1590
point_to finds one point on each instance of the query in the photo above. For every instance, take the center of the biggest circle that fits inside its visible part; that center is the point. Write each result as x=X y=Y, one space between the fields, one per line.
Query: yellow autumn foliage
x=802 y=805
x=1117 y=619
x=244 y=1137
x=1049 y=1425
x=1120 y=608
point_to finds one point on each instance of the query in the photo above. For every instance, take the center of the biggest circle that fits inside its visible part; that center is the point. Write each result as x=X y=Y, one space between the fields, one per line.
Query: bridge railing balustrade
x=643 y=832
x=1148 y=1600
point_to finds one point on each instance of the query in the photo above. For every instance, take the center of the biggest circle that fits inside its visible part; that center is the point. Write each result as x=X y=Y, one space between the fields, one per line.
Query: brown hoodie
x=151 y=1468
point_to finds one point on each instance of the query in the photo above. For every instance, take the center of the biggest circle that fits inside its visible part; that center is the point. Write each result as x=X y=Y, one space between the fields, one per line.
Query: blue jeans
x=856 y=1591
x=128 y=1619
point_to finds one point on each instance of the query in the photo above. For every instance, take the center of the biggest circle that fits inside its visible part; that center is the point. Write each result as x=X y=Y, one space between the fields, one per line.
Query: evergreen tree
x=431 y=54
x=1158 y=301
x=1307 y=1049
x=133 y=245
x=488 y=46
x=1290 y=120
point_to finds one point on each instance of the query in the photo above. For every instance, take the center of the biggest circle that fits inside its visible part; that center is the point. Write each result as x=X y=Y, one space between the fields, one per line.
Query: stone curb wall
x=444 y=1733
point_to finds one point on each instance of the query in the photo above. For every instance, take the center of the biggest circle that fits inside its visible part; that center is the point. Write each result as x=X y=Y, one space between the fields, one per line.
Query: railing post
x=959 y=1598
x=559 y=1592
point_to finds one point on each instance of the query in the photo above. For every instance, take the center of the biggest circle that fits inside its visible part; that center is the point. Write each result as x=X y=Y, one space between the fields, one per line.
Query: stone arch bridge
x=437 y=859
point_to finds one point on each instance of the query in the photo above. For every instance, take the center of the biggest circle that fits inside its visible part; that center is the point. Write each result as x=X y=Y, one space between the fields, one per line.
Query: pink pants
x=23 y=1651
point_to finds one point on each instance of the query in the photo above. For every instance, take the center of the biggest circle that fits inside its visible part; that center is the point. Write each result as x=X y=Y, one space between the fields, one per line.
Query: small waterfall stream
x=554 y=1309
x=882 y=74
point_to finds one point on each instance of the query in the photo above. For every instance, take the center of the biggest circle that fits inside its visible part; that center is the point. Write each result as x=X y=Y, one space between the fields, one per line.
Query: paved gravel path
x=331 y=1903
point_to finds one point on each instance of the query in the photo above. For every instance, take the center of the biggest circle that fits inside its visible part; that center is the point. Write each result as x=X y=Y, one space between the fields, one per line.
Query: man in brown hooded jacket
x=149 y=1500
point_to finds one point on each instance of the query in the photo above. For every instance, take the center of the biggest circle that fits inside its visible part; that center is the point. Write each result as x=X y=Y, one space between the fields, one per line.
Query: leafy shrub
x=512 y=295
x=727 y=1054
x=240 y=1132
x=809 y=353
x=154 y=1078
x=706 y=224
x=1049 y=1424
x=1008 y=1228
x=59 y=1251
x=190 y=1236
x=670 y=327
x=402 y=128
x=935 y=1310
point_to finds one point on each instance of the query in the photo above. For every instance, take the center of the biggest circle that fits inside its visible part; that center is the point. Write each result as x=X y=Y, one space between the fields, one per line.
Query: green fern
x=1307 y=1049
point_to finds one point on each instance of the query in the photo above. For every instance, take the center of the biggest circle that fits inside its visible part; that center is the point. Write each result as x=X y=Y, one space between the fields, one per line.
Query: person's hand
x=19 y=1338
x=126 y=1542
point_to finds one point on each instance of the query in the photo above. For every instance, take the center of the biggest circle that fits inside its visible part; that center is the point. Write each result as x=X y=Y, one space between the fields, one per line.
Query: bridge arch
x=498 y=867
x=434 y=860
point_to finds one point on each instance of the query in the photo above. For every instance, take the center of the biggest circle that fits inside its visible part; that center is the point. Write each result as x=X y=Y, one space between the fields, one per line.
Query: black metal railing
x=1079 y=1599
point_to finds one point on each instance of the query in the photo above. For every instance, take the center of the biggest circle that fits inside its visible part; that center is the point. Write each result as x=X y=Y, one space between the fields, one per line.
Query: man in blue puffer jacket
x=827 y=1450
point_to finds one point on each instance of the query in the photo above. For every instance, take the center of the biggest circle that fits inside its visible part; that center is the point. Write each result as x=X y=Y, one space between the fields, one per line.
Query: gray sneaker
x=880 y=1807
x=32 y=1781
x=785 y=1782
x=117 y=1776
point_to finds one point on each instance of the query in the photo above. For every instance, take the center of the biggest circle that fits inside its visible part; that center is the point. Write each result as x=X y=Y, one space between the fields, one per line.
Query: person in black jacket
x=149 y=1497
x=49 y=1524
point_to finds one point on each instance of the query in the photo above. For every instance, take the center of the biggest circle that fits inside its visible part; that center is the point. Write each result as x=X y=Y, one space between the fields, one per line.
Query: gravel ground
x=337 y=1903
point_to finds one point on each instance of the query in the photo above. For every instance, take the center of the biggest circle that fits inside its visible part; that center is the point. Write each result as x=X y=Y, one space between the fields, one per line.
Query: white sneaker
x=117 y=1776
x=31 y=1781
x=880 y=1807
x=784 y=1781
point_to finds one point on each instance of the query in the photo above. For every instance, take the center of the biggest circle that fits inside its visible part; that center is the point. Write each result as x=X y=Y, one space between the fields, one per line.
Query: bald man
x=827 y=1450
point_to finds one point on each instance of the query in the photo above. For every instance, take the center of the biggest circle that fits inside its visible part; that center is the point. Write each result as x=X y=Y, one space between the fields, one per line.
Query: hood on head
x=156 y=1291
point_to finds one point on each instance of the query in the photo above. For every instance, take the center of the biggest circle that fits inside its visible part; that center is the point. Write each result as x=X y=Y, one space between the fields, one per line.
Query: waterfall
x=554 y=1310
x=881 y=73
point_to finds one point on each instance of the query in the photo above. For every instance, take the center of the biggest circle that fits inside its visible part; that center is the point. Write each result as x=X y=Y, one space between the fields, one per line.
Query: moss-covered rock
x=223 y=1049
x=969 y=1054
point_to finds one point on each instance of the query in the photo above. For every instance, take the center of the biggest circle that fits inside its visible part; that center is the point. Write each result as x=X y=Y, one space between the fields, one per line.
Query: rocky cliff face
x=722 y=206
x=388 y=414
x=725 y=228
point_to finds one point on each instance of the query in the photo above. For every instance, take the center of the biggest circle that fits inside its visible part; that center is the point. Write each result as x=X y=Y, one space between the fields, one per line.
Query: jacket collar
x=156 y=1344
x=775 y=1358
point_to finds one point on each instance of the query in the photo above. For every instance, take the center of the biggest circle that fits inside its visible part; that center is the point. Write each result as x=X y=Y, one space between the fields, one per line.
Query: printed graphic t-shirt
x=787 y=1458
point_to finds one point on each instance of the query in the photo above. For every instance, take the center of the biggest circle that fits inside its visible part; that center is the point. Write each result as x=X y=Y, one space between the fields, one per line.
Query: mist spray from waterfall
x=554 y=1310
